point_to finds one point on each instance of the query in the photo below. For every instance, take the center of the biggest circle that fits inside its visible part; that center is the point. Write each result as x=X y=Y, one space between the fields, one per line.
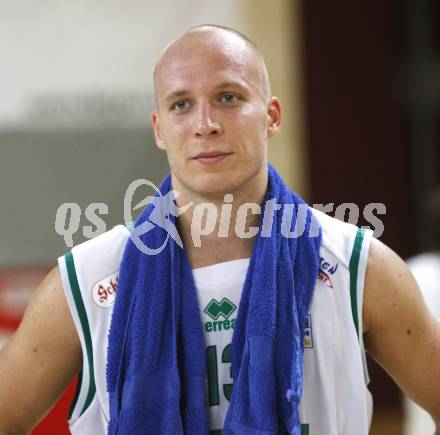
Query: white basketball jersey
x=335 y=399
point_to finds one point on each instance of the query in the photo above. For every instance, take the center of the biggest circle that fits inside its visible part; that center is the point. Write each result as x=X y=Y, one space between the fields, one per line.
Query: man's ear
x=274 y=116
x=156 y=128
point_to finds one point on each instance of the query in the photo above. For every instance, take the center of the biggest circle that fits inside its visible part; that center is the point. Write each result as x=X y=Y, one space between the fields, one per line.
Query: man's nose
x=206 y=124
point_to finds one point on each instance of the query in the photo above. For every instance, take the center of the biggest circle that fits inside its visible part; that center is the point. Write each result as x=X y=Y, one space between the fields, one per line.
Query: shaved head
x=215 y=113
x=234 y=44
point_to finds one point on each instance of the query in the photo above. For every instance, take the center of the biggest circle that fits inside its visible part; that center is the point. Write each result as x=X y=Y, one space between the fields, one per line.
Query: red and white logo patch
x=323 y=277
x=104 y=292
x=326 y=271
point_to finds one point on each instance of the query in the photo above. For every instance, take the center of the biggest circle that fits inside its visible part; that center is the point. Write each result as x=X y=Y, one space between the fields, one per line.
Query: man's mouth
x=211 y=158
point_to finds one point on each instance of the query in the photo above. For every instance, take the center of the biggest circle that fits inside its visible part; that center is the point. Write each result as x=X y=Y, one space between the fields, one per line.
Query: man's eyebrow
x=176 y=94
x=223 y=85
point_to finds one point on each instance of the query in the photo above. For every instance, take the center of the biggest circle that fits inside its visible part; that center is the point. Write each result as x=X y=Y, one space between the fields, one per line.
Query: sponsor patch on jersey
x=104 y=292
x=308 y=335
x=323 y=277
x=326 y=271
x=216 y=310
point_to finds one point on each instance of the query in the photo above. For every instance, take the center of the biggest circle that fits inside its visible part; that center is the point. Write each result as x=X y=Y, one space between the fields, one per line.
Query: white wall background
x=90 y=47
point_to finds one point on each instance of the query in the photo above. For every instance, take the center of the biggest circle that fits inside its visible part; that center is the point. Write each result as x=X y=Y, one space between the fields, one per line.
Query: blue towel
x=156 y=359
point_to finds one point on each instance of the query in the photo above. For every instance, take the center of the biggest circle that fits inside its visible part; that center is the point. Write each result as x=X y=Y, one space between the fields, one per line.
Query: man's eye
x=229 y=98
x=180 y=105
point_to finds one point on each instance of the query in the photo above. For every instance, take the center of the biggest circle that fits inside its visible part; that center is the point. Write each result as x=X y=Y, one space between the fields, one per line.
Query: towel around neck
x=156 y=365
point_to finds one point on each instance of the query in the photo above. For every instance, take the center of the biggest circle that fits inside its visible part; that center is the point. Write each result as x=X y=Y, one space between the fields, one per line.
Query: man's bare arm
x=400 y=333
x=40 y=359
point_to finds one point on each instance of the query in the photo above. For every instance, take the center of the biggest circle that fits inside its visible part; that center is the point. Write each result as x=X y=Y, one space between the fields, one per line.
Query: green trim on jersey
x=129 y=225
x=354 y=268
x=76 y=292
x=215 y=432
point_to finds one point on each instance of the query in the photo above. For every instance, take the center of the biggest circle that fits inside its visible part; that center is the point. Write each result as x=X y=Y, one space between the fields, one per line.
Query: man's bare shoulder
x=40 y=359
x=386 y=272
x=399 y=331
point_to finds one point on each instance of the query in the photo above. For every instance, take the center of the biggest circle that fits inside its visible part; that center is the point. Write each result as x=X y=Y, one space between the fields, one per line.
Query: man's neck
x=223 y=242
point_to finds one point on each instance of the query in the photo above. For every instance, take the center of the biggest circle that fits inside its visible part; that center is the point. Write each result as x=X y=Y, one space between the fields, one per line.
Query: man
x=214 y=116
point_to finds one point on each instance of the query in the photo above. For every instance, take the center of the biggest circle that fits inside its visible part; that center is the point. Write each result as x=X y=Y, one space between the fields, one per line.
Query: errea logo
x=225 y=308
x=215 y=310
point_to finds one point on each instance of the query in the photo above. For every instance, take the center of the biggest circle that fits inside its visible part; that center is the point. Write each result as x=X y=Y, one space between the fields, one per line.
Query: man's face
x=214 y=115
